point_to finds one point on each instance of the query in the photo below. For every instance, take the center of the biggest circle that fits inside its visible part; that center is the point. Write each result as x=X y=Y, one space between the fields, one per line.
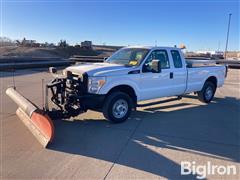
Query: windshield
x=128 y=56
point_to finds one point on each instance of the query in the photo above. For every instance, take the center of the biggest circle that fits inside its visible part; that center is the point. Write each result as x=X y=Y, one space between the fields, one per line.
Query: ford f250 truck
x=130 y=75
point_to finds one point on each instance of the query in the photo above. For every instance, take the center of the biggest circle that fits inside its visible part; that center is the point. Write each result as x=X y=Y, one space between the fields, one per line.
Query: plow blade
x=37 y=122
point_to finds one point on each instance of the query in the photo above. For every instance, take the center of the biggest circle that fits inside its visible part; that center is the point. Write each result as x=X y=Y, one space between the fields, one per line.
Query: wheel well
x=212 y=79
x=126 y=89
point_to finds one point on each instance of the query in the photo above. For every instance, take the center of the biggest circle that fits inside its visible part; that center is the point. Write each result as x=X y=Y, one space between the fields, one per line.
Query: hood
x=100 y=69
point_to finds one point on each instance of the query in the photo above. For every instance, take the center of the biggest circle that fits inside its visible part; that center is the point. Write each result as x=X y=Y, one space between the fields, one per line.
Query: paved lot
x=150 y=145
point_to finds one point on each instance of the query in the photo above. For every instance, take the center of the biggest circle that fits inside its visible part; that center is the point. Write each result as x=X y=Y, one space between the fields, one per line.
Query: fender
x=113 y=83
x=210 y=75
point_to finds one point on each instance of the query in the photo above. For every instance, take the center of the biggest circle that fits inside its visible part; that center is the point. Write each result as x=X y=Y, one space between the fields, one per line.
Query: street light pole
x=229 y=21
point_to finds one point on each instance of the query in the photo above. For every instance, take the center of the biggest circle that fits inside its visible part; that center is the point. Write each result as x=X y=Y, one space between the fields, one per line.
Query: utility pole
x=229 y=21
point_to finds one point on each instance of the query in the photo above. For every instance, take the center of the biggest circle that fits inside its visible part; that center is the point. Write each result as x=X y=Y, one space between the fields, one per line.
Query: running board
x=160 y=102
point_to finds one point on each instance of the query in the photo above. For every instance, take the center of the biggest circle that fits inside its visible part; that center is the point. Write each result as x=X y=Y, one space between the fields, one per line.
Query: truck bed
x=192 y=63
x=199 y=72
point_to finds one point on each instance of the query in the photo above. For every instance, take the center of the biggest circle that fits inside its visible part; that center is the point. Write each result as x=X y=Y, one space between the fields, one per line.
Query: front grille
x=77 y=85
x=85 y=83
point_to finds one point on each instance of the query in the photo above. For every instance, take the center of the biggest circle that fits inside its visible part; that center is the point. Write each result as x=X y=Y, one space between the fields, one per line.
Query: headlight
x=95 y=84
x=64 y=72
x=67 y=73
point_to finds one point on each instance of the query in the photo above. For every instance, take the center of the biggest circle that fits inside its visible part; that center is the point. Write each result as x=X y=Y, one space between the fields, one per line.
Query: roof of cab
x=153 y=47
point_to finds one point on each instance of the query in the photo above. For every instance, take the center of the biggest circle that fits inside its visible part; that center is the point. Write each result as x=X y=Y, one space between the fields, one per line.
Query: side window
x=176 y=59
x=157 y=54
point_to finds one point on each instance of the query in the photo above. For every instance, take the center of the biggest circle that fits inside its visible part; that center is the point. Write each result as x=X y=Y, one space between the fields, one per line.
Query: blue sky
x=200 y=25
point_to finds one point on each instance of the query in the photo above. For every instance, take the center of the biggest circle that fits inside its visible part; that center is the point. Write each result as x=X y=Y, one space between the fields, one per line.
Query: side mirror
x=53 y=70
x=156 y=66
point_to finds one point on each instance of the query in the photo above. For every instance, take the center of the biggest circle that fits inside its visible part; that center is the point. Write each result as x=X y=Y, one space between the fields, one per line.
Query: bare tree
x=5 y=41
x=63 y=43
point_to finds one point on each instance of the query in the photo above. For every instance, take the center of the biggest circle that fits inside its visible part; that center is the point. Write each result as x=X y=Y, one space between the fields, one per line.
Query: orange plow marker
x=37 y=122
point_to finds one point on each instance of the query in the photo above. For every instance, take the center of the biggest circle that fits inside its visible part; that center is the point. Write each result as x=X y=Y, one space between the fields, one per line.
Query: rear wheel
x=117 y=107
x=207 y=93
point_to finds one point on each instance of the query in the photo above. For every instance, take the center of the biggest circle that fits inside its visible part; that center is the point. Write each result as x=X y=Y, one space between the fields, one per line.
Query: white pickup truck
x=130 y=75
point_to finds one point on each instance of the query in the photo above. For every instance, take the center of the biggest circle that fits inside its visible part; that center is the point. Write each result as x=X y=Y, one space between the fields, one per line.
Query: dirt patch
x=67 y=52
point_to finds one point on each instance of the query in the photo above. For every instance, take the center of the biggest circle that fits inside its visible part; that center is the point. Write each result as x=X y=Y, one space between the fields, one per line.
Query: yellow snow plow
x=37 y=121
x=69 y=100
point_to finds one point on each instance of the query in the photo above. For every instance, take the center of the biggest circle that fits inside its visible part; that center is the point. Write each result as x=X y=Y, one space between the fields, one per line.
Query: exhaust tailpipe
x=34 y=118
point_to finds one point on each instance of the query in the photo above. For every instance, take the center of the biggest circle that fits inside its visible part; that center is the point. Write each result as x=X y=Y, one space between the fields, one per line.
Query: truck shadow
x=211 y=131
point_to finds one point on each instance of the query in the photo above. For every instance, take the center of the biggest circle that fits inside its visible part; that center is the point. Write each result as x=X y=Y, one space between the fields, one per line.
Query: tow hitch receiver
x=37 y=121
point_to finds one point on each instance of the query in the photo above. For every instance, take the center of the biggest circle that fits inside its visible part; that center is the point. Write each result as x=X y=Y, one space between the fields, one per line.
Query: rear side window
x=176 y=59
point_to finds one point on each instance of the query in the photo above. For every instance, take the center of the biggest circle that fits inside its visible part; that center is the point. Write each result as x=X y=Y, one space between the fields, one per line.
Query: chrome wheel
x=208 y=93
x=120 y=108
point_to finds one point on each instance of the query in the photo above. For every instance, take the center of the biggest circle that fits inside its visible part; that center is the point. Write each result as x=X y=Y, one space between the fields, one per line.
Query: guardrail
x=28 y=59
x=230 y=63
x=88 y=59
x=20 y=63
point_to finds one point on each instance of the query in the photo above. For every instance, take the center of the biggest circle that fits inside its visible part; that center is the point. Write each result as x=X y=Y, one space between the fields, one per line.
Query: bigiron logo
x=203 y=170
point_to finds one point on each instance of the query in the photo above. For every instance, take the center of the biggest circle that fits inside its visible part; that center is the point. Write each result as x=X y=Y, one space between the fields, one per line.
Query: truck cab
x=130 y=75
x=171 y=78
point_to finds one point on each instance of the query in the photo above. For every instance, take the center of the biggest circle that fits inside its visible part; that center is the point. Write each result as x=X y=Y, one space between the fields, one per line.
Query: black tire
x=204 y=95
x=109 y=103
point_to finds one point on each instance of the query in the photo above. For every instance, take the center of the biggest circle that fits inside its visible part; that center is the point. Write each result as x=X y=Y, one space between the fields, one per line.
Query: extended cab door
x=155 y=85
x=179 y=72
x=169 y=82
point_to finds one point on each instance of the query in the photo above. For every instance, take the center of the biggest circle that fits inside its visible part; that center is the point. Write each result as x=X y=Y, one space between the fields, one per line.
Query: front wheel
x=207 y=93
x=117 y=107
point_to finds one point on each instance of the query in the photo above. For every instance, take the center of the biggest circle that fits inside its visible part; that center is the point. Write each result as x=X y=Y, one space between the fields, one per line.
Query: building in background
x=86 y=44
x=28 y=43
x=211 y=54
